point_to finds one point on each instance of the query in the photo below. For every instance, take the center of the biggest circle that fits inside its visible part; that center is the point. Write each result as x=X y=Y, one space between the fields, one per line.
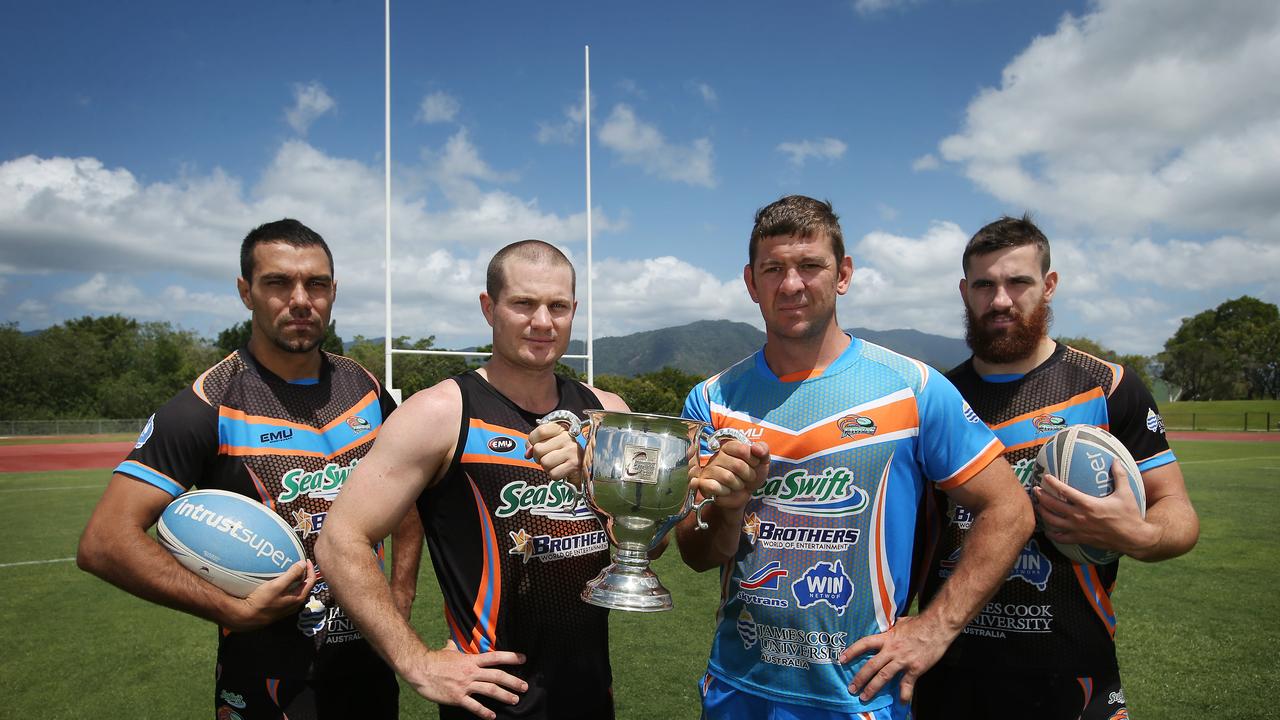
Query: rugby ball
x=233 y=541
x=1081 y=456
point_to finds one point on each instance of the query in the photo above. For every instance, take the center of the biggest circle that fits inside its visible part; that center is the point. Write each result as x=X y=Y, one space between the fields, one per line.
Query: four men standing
x=820 y=526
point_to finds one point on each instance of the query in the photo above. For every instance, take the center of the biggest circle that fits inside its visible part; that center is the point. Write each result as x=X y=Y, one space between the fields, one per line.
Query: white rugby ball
x=233 y=541
x=1081 y=456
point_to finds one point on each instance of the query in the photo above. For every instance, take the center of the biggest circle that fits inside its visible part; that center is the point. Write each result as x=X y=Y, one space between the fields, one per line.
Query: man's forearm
x=362 y=590
x=1174 y=527
x=406 y=556
x=990 y=548
x=710 y=548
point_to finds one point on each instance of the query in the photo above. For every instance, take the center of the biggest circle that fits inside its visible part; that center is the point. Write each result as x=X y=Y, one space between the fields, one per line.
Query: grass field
x=1227 y=415
x=1198 y=635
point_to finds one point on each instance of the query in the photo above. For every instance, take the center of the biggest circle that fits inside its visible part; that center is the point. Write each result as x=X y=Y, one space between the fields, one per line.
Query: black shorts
x=958 y=693
x=352 y=682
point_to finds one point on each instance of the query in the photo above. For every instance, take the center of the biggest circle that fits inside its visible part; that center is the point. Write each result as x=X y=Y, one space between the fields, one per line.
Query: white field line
x=36 y=562
x=1240 y=459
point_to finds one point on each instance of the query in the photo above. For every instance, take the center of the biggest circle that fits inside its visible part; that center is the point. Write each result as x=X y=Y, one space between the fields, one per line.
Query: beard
x=299 y=345
x=1018 y=342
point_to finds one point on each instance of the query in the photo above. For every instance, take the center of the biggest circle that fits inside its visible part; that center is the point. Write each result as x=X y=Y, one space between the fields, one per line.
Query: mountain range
x=708 y=346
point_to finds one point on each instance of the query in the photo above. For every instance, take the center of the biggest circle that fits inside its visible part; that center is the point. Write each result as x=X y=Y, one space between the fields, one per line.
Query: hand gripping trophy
x=635 y=476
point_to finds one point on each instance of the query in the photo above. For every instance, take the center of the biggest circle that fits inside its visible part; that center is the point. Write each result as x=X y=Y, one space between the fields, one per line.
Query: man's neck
x=786 y=356
x=1044 y=349
x=532 y=390
x=286 y=365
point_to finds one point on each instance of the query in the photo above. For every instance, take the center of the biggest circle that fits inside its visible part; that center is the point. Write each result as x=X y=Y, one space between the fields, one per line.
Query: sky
x=140 y=141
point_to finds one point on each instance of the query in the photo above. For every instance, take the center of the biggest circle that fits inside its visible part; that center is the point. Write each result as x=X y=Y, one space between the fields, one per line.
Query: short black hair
x=288 y=231
x=800 y=216
x=532 y=250
x=1007 y=232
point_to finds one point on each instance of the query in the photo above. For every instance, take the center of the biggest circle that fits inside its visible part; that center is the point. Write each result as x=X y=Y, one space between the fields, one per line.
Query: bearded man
x=1044 y=646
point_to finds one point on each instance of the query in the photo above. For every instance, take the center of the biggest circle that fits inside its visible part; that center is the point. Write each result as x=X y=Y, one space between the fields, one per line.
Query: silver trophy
x=635 y=477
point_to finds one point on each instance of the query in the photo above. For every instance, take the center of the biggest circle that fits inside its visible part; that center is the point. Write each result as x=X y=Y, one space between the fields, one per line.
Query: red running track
x=65 y=456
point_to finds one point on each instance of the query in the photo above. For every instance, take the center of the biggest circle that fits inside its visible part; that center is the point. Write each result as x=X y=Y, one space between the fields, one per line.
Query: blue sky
x=140 y=141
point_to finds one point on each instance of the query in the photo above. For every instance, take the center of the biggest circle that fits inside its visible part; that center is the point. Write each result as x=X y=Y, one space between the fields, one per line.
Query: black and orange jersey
x=1051 y=614
x=512 y=551
x=289 y=445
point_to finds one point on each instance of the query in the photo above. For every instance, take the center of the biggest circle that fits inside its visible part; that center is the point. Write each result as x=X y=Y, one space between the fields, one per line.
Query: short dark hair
x=1007 y=232
x=532 y=250
x=800 y=216
x=288 y=231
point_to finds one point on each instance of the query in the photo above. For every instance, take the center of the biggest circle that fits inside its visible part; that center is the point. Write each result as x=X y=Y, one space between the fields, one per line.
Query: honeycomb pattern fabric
x=512 y=551
x=241 y=428
x=1050 y=614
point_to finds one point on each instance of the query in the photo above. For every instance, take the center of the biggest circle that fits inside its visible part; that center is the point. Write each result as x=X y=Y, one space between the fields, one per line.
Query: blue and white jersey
x=827 y=543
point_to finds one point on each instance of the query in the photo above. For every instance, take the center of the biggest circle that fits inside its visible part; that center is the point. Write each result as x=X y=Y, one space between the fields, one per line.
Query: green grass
x=1198 y=635
x=59 y=439
x=1226 y=415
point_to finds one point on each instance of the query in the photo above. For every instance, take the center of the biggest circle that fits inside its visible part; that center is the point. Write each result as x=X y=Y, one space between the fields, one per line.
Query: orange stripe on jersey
x=497 y=460
x=975 y=466
x=1028 y=444
x=1084 y=397
x=482 y=425
x=490 y=582
x=365 y=402
x=250 y=451
x=801 y=375
x=1091 y=586
x=242 y=416
x=1117 y=370
x=886 y=611
x=891 y=417
x=466 y=645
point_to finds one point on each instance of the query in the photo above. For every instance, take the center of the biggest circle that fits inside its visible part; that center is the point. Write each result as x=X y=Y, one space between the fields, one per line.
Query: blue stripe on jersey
x=138 y=471
x=481 y=441
x=1003 y=377
x=1158 y=460
x=1090 y=412
x=269 y=437
x=305 y=381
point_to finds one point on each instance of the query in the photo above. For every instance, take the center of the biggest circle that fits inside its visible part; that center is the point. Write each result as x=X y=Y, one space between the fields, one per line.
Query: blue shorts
x=721 y=701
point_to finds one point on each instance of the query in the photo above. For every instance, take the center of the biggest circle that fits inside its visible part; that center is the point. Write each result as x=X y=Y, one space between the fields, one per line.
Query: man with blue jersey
x=286 y=650
x=814 y=524
x=1044 y=646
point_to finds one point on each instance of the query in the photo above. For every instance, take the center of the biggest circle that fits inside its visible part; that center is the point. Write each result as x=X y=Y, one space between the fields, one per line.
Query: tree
x=1139 y=364
x=1230 y=352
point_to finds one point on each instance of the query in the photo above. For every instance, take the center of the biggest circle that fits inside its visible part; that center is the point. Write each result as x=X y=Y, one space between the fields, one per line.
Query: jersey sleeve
x=954 y=443
x=176 y=447
x=386 y=402
x=1135 y=421
x=697 y=406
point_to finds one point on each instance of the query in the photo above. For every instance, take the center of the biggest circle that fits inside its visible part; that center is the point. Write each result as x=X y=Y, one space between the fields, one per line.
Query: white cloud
x=438 y=107
x=68 y=216
x=310 y=101
x=925 y=162
x=1138 y=114
x=566 y=131
x=630 y=87
x=871 y=7
x=829 y=149
x=637 y=295
x=641 y=144
x=904 y=282
x=706 y=92
x=887 y=213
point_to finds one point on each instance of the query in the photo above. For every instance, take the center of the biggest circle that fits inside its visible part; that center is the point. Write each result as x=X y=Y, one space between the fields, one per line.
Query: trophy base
x=620 y=587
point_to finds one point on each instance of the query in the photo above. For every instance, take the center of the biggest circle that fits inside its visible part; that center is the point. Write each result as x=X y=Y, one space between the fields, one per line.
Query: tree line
x=118 y=367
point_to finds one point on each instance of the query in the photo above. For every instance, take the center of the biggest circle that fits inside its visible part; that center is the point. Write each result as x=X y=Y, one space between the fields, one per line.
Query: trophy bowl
x=635 y=475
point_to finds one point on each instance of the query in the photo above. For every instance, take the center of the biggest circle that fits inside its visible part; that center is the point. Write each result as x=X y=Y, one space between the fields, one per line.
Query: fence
x=72 y=427
x=1260 y=421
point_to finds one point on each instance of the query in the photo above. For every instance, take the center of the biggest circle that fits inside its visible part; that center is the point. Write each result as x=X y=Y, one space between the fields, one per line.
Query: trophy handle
x=697 y=512
x=723 y=435
x=566 y=419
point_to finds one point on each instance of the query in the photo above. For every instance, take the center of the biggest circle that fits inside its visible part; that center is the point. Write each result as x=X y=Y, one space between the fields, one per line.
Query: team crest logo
x=226 y=713
x=313 y=616
x=751 y=526
x=146 y=433
x=746 y=629
x=521 y=544
x=233 y=699
x=851 y=425
x=969 y=414
x=307 y=523
x=1049 y=423
x=1155 y=423
x=358 y=424
x=766 y=578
